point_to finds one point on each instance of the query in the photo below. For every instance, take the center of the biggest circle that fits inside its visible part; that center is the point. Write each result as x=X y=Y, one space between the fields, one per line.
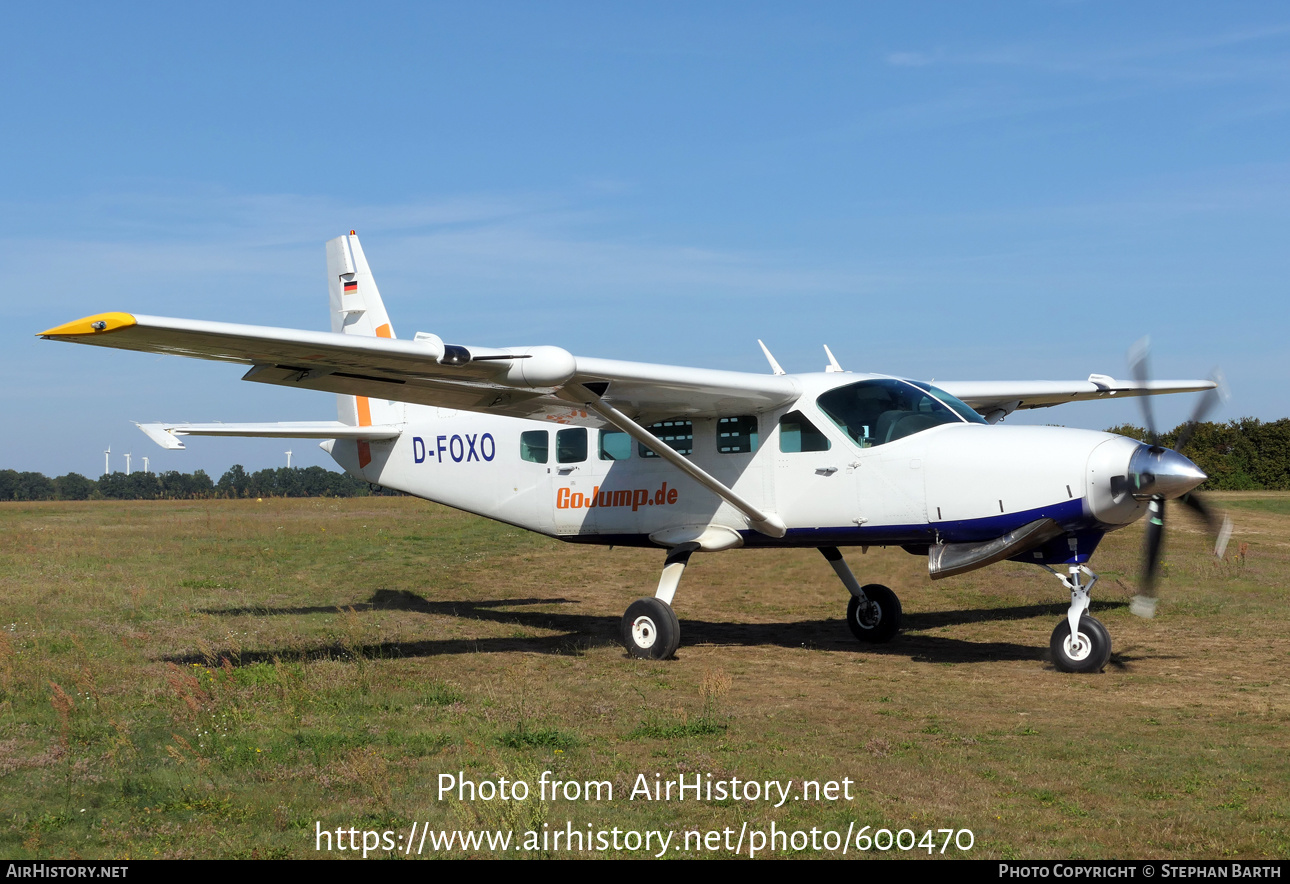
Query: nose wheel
x=1088 y=650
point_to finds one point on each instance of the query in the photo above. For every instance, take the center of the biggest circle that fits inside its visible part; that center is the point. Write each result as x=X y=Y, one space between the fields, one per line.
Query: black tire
x=876 y=622
x=650 y=629
x=1092 y=652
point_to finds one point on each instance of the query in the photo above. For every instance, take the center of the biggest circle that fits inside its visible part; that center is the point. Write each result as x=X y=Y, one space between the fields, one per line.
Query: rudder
x=357 y=309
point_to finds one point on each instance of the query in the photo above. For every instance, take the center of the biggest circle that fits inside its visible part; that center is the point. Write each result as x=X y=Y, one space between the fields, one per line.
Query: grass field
x=219 y=678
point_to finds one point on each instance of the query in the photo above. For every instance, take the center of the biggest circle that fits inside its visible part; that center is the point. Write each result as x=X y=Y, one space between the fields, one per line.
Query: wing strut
x=767 y=523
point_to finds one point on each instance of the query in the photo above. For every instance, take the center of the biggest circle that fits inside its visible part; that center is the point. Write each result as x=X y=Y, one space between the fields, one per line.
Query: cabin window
x=571 y=445
x=677 y=435
x=737 y=435
x=534 y=446
x=797 y=434
x=615 y=445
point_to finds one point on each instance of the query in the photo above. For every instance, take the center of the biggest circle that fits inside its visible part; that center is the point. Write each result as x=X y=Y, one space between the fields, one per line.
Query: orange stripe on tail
x=365 y=410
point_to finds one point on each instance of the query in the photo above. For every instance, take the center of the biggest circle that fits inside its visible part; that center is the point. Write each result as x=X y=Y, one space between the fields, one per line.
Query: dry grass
x=210 y=679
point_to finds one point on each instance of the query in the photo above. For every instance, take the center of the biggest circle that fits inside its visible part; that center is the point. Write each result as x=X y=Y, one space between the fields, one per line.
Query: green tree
x=74 y=486
x=235 y=482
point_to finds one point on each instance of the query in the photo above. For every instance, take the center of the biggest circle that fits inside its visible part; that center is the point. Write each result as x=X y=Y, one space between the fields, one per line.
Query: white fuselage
x=956 y=482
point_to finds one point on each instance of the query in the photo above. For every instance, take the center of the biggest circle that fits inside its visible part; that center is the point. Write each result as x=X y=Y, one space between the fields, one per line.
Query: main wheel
x=1089 y=651
x=877 y=621
x=650 y=629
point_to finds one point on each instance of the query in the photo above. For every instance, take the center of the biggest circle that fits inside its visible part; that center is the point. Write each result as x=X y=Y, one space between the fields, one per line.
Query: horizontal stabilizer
x=166 y=435
x=948 y=559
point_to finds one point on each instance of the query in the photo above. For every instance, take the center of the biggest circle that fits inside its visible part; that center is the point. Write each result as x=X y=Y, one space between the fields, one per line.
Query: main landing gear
x=1080 y=643
x=649 y=628
x=651 y=631
x=874 y=610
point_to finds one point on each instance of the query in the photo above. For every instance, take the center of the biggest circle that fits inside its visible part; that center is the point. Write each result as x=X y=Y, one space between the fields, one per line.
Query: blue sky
x=968 y=191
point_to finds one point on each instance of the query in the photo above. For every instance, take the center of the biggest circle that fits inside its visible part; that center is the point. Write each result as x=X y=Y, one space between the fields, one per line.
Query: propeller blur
x=1159 y=474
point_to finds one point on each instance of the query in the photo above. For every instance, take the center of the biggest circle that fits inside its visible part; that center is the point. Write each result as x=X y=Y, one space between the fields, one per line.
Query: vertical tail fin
x=357 y=309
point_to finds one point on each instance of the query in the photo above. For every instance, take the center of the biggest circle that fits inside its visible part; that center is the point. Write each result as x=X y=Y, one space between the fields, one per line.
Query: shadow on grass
x=934 y=619
x=581 y=632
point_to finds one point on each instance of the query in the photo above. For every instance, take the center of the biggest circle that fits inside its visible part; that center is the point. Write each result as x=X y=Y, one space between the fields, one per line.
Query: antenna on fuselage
x=833 y=363
x=774 y=366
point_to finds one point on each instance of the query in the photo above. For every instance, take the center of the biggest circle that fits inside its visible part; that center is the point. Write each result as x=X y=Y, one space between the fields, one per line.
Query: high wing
x=997 y=399
x=527 y=382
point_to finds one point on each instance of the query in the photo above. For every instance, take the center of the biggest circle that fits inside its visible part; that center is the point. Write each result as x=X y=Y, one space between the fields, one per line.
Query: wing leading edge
x=526 y=382
x=516 y=381
x=997 y=399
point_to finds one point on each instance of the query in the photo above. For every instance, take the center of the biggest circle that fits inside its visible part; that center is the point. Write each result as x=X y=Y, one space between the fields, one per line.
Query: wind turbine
x=288 y=460
x=127 y=463
x=107 y=457
x=145 y=463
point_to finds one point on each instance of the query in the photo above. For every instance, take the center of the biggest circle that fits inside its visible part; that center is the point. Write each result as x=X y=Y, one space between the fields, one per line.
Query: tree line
x=1240 y=455
x=174 y=485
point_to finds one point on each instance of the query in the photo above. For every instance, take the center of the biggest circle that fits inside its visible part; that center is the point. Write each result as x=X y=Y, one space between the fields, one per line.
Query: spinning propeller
x=1158 y=474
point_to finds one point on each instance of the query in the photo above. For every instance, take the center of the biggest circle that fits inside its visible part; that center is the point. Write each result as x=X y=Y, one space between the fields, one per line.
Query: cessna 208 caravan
x=603 y=451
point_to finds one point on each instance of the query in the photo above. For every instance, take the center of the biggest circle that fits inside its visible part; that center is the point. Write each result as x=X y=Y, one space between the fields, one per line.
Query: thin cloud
x=909 y=59
x=1183 y=60
x=150 y=247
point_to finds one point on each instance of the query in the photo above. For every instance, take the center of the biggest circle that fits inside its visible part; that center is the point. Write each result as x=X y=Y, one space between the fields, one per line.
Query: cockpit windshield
x=886 y=409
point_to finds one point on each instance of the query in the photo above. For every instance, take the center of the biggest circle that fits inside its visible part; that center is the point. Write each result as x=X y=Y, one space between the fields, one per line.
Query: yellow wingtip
x=91 y=325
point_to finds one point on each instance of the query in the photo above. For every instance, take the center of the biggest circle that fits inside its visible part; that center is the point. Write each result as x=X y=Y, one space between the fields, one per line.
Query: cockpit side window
x=879 y=411
x=797 y=434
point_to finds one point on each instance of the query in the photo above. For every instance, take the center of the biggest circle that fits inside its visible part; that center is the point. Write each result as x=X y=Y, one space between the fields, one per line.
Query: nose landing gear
x=1080 y=643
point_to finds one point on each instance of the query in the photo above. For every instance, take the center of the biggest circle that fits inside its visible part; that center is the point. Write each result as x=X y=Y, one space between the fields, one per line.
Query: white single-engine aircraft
x=603 y=451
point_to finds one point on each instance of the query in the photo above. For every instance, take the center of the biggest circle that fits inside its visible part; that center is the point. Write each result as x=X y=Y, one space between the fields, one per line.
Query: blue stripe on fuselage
x=1070 y=514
